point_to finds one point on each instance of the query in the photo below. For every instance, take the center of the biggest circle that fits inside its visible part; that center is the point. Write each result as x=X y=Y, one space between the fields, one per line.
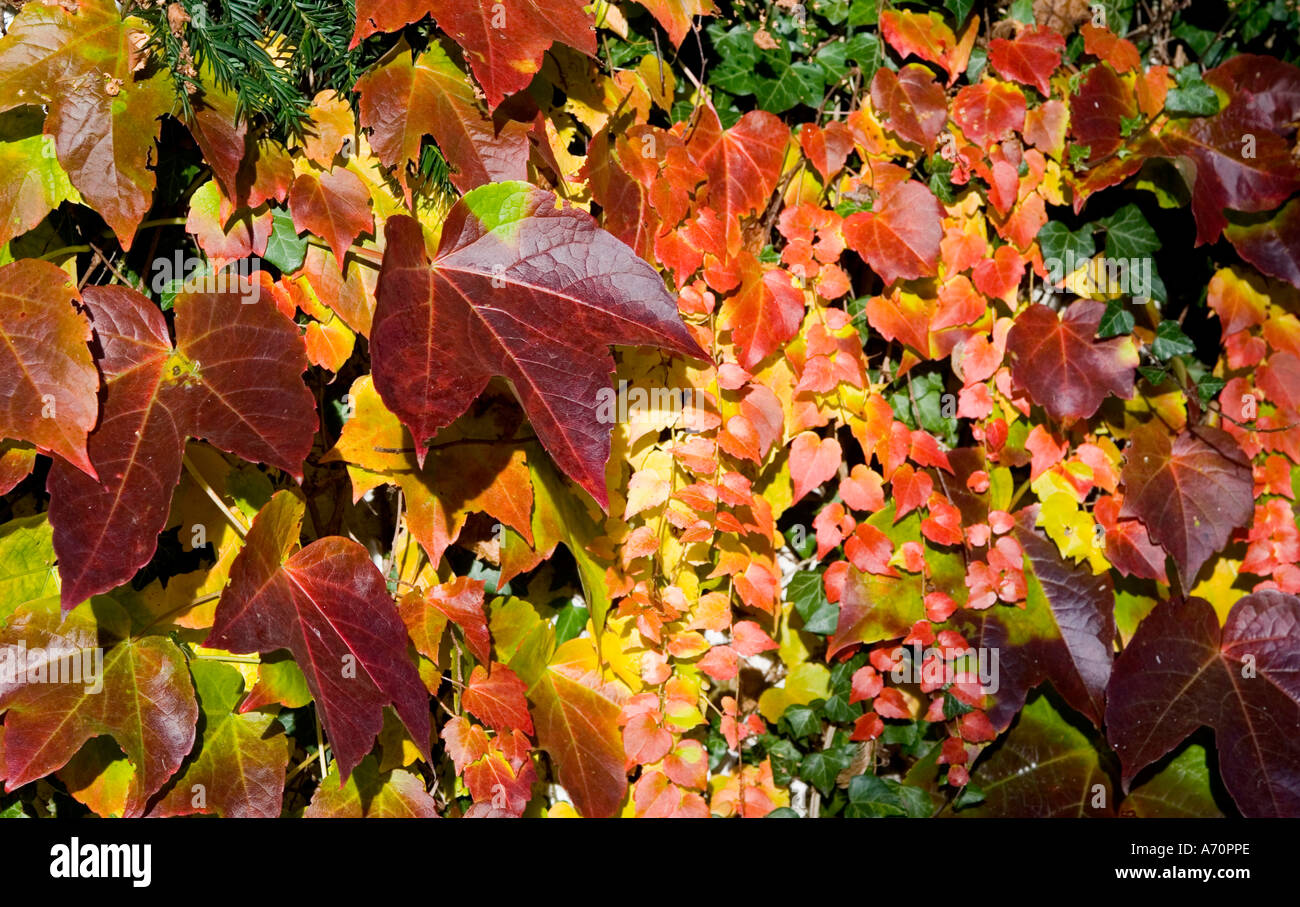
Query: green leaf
x=285 y=248
x=960 y=9
x=863 y=12
x=1180 y=790
x=1170 y=341
x=783 y=812
x=570 y=622
x=1022 y=11
x=1128 y=234
x=1192 y=97
x=1115 y=320
x=27 y=570
x=802 y=721
x=1060 y=242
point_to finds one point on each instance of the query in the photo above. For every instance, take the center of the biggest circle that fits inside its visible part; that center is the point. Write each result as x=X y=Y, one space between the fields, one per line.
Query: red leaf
x=403 y=101
x=1180 y=671
x=334 y=205
x=676 y=15
x=749 y=638
x=504 y=40
x=1190 y=491
x=1271 y=245
x=328 y=604
x=234 y=379
x=494 y=302
x=915 y=104
x=813 y=460
x=1030 y=58
x=1062 y=365
x=1109 y=47
x=45 y=365
x=498 y=698
x=742 y=164
x=461 y=601
x=989 y=112
x=764 y=312
x=900 y=236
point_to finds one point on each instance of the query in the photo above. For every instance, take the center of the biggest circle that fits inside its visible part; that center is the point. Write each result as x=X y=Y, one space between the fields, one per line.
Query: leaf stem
x=235 y=522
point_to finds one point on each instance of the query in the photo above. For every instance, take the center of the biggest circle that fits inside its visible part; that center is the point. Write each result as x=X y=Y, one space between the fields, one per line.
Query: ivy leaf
x=1116 y=320
x=504 y=40
x=1058 y=242
x=494 y=303
x=328 y=604
x=371 y=794
x=1181 y=671
x=577 y=723
x=1192 y=97
x=1170 y=341
x=1190 y=491
x=157 y=397
x=238 y=766
x=1128 y=234
x=1062 y=365
x=47 y=723
x=900 y=236
x=285 y=249
x=1043 y=768
x=402 y=101
x=45 y=363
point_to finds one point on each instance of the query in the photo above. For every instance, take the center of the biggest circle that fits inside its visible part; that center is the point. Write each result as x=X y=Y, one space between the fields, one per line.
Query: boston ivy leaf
x=495 y=302
x=157 y=397
x=45 y=365
x=742 y=164
x=1190 y=491
x=1181 y=671
x=913 y=102
x=1064 y=634
x=1030 y=58
x=104 y=100
x=1271 y=244
x=371 y=794
x=676 y=15
x=1062 y=365
x=900 y=236
x=503 y=41
x=577 y=723
x=497 y=698
x=238 y=768
x=334 y=205
x=1180 y=790
x=328 y=604
x=1043 y=768
x=139 y=694
x=402 y=101
x=32 y=184
x=27 y=570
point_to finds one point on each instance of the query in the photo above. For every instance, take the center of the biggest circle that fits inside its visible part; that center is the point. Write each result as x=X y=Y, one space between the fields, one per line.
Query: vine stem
x=235 y=522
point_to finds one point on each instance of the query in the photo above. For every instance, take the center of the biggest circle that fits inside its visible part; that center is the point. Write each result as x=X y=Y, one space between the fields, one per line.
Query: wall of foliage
x=657 y=408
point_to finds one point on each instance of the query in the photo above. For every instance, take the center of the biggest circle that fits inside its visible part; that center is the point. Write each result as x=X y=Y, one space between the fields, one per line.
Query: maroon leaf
x=1190 y=491
x=1181 y=671
x=233 y=379
x=328 y=604
x=524 y=289
x=1272 y=245
x=1062 y=365
x=1064 y=633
